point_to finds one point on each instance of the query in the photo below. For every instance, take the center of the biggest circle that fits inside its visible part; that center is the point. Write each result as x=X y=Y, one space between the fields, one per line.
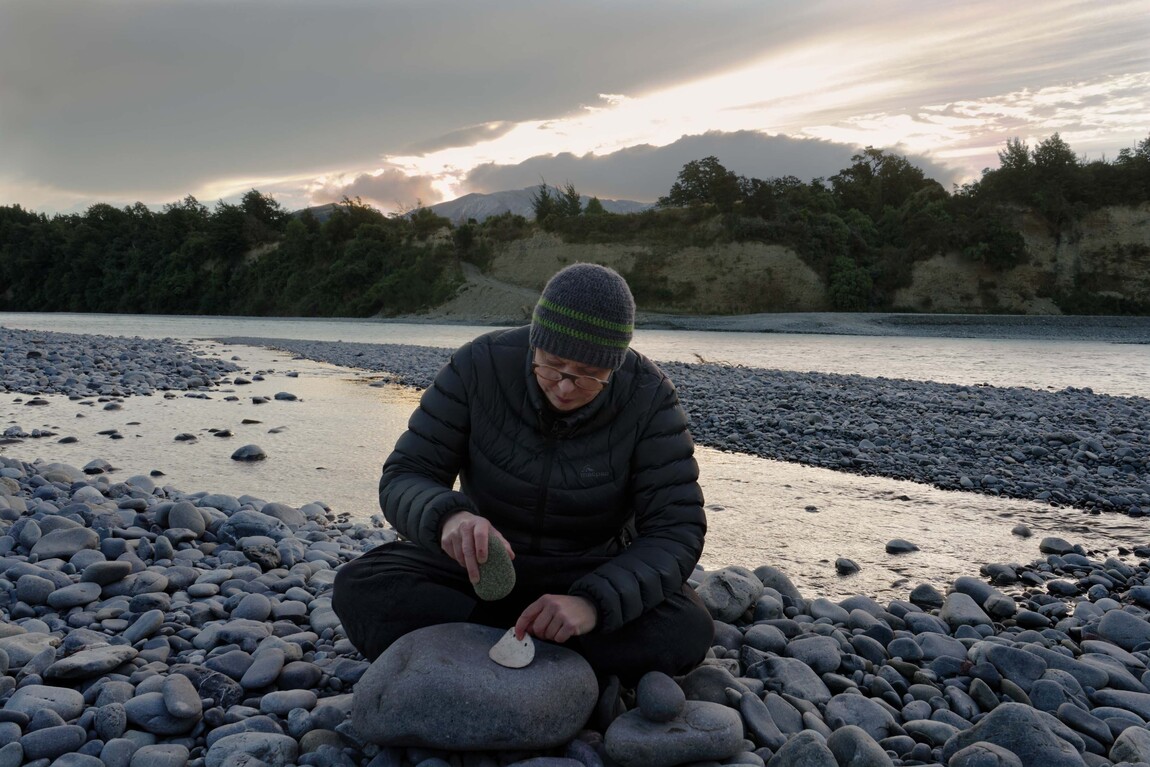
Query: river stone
x=792 y=677
x=983 y=754
x=110 y=722
x=926 y=596
x=821 y=653
x=1021 y=667
x=21 y=648
x=729 y=592
x=496 y=575
x=825 y=608
x=807 y=749
x=710 y=683
x=255 y=607
x=270 y=749
x=960 y=609
x=52 y=742
x=34 y=590
x=1133 y=745
x=249 y=453
x=773 y=578
x=143 y=582
x=976 y=589
x=702 y=732
x=1055 y=545
x=181 y=699
x=900 y=546
x=66 y=702
x=436 y=687
x=161 y=755
x=1123 y=629
x=853 y=747
x=62 y=544
x=94 y=662
x=148 y=712
x=247 y=522
x=289 y=515
x=865 y=713
x=105 y=573
x=1021 y=730
x=184 y=515
x=659 y=697
x=74 y=595
x=758 y=722
x=931 y=731
x=1138 y=702
x=511 y=652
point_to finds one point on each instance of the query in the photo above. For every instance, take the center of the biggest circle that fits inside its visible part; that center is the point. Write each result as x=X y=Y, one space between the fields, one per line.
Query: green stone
x=496 y=575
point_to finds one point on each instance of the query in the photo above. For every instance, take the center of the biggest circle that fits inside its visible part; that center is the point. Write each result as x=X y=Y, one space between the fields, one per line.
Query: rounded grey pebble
x=160 y=755
x=52 y=742
x=118 y=752
x=249 y=453
x=659 y=697
x=111 y=721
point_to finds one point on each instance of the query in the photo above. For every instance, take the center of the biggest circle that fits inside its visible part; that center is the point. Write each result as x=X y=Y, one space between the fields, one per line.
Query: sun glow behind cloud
x=772 y=95
x=830 y=90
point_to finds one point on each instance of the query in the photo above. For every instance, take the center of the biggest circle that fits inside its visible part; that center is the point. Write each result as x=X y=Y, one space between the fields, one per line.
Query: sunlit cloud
x=389 y=189
x=183 y=97
x=824 y=91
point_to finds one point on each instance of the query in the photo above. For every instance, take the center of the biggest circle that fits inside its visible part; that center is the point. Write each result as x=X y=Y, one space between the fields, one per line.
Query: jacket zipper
x=541 y=501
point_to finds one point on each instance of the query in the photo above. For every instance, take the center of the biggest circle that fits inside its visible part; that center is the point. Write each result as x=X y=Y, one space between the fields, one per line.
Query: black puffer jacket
x=615 y=478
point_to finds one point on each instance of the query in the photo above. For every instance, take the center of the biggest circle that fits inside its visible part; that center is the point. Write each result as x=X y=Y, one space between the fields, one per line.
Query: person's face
x=578 y=384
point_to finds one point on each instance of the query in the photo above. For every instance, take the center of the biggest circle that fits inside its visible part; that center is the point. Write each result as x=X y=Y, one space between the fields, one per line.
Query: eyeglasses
x=586 y=383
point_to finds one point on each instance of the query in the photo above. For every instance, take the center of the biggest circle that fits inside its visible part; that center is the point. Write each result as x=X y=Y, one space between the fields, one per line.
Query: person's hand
x=465 y=538
x=557 y=618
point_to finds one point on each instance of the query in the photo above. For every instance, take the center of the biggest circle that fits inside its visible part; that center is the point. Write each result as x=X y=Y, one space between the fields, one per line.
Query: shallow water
x=760 y=512
x=1107 y=368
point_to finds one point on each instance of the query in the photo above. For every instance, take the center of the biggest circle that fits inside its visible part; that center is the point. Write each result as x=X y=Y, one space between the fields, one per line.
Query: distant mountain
x=481 y=206
x=518 y=201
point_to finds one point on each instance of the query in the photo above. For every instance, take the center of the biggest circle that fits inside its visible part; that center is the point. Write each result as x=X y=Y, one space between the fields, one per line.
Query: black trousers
x=399 y=587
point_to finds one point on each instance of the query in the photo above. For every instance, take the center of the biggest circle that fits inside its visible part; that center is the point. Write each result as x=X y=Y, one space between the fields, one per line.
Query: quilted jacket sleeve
x=415 y=490
x=669 y=519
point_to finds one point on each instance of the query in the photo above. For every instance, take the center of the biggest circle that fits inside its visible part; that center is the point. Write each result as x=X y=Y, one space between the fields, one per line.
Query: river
x=328 y=445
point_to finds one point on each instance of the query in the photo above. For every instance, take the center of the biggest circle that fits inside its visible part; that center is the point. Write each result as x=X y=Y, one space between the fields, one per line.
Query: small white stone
x=511 y=652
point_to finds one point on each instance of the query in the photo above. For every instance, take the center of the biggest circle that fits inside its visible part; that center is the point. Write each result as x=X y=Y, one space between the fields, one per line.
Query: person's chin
x=562 y=405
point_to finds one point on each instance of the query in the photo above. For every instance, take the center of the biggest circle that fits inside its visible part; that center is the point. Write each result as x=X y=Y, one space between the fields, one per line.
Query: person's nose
x=566 y=385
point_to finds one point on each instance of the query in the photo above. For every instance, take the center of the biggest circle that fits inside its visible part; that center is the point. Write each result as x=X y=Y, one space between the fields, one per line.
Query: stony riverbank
x=145 y=626
x=1070 y=448
x=142 y=625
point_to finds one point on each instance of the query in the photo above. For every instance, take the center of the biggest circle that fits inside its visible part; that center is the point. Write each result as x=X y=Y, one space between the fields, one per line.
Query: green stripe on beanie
x=589 y=319
x=586 y=314
x=587 y=337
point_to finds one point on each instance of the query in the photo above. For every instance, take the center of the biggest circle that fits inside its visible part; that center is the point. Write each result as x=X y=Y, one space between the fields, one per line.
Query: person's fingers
x=481 y=537
x=543 y=623
x=468 y=544
x=526 y=618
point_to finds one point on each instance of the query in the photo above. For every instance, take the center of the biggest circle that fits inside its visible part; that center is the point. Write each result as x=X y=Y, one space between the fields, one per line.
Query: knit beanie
x=586 y=314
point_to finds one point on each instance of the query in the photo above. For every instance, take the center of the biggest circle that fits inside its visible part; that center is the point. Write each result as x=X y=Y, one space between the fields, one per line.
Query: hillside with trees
x=862 y=235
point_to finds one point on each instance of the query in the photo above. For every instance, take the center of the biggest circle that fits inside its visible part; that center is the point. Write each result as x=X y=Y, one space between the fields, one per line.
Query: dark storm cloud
x=645 y=173
x=463 y=137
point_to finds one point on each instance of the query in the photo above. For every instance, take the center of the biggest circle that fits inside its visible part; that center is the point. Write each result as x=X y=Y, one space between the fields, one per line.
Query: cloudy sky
x=402 y=102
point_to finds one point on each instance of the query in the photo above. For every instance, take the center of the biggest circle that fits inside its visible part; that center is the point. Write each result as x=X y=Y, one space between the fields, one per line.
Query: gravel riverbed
x=142 y=625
